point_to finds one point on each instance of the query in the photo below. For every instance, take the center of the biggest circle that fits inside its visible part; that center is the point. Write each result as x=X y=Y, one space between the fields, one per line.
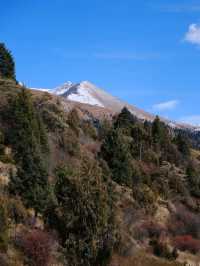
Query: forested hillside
x=82 y=190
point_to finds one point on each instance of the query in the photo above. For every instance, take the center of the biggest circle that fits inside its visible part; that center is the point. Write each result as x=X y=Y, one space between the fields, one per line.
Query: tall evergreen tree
x=26 y=137
x=157 y=130
x=140 y=141
x=83 y=216
x=125 y=120
x=7 y=64
x=183 y=144
x=116 y=152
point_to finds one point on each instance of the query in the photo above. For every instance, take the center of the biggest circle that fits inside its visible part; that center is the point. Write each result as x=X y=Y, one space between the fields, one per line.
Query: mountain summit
x=87 y=93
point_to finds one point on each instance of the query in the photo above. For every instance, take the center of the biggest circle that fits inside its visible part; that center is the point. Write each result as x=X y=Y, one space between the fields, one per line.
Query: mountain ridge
x=86 y=92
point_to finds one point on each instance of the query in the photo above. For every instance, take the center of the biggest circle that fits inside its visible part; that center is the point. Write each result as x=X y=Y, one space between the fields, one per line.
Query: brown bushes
x=37 y=246
x=149 y=229
x=187 y=243
x=184 y=222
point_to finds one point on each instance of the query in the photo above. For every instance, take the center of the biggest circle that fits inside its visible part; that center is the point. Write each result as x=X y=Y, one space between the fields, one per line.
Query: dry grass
x=195 y=153
x=142 y=259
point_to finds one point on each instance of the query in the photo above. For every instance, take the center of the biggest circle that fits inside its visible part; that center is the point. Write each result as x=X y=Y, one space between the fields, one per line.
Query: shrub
x=36 y=245
x=16 y=211
x=187 y=243
x=3 y=260
x=148 y=229
x=89 y=129
x=154 y=230
x=161 y=249
x=145 y=197
x=70 y=142
x=73 y=121
x=184 y=222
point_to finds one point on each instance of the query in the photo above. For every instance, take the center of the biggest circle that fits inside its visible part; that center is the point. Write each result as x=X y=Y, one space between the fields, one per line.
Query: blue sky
x=145 y=52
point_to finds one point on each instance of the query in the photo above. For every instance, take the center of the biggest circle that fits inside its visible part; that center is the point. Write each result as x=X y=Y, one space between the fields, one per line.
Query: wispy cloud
x=191 y=119
x=165 y=106
x=193 y=34
x=126 y=56
x=180 y=8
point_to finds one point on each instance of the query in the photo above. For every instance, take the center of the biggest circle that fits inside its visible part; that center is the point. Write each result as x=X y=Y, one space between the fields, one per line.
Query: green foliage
x=125 y=120
x=104 y=128
x=158 y=129
x=116 y=152
x=69 y=142
x=73 y=120
x=28 y=140
x=7 y=64
x=183 y=145
x=140 y=142
x=145 y=197
x=83 y=215
x=89 y=130
x=132 y=149
x=193 y=179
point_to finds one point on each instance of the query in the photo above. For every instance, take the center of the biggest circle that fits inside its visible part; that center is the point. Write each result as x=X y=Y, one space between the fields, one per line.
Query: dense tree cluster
x=29 y=141
x=83 y=214
x=131 y=146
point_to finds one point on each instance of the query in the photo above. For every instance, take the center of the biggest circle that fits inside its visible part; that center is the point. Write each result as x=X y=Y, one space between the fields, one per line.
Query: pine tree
x=183 y=144
x=157 y=130
x=140 y=141
x=125 y=120
x=83 y=215
x=116 y=152
x=25 y=137
x=7 y=64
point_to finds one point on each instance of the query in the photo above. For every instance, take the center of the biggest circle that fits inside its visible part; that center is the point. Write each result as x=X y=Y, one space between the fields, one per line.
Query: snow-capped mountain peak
x=82 y=92
x=87 y=93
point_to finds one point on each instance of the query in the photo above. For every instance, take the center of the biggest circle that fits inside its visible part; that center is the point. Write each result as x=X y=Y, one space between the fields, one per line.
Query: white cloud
x=192 y=120
x=165 y=106
x=193 y=34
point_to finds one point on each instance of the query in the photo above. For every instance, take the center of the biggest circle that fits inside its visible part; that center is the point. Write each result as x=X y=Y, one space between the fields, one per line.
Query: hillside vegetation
x=78 y=190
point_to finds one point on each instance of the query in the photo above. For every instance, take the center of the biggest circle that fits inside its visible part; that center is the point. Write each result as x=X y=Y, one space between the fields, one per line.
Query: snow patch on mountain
x=62 y=89
x=83 y=94
x=41 y=89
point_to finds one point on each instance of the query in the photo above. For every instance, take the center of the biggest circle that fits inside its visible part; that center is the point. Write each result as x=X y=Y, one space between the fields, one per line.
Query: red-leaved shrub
x=37 y=246
x=184 y=222
x=187 y=243
x=149 y=229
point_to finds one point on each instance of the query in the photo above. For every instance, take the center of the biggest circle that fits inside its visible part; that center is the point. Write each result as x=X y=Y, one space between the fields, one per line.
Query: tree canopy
x=7 y=64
